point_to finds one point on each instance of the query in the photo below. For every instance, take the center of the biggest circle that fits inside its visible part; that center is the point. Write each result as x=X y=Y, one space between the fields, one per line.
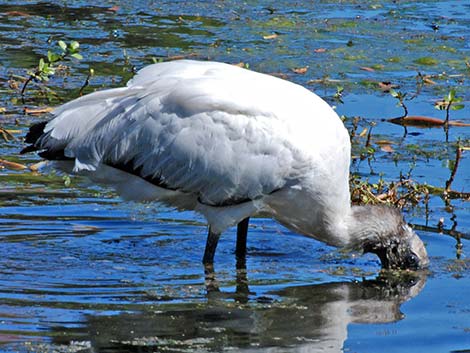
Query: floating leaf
x=37 y=110
x=418 y=121
x=387 y=148
x=363 y=132
x=17 y=13
x=458 y=123
x=271 y=36
x=427 y=80
x=424 y=121
x=12 y=165
x=426 y=60
x=384 y=142
x=36 y=166
x=387 y=87
x=394 y=59
x=300 y=70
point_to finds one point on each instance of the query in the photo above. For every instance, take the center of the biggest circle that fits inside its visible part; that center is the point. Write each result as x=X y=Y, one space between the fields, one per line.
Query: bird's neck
x=314 y=215
x=372 y=225
x=333 y=220
x=351 y=228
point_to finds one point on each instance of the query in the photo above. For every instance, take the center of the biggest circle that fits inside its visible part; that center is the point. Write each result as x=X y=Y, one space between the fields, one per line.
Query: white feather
x=218 y=133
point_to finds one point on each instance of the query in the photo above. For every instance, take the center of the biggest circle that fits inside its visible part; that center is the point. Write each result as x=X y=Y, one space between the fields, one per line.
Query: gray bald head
x=383 y=231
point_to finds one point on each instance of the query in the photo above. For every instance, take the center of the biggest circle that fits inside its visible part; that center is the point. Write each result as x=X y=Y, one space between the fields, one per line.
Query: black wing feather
x=34 y=133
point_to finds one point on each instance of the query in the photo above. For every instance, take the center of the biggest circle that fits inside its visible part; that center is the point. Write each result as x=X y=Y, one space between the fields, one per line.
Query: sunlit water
x=81 y=271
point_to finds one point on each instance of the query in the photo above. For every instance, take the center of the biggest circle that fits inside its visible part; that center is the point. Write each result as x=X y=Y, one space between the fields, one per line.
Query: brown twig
x=369 y=135
x=23 y=89
x=458 y=156
x=7 y=135
x=85 y=84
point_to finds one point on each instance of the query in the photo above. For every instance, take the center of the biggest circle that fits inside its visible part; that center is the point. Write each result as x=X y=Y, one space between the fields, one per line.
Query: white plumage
x=225 y=141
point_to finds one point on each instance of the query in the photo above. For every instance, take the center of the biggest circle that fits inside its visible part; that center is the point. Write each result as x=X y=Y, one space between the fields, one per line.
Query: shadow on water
x=307 y=318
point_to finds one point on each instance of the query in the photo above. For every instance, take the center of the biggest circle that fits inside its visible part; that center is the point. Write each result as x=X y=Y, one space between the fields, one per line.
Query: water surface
x=82 y=271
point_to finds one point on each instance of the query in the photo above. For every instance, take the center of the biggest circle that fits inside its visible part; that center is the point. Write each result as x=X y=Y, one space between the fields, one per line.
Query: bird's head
x=391 y=239
x=403 y=250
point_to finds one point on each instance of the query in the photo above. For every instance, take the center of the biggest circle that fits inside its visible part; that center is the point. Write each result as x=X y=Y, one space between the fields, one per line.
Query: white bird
x=230 y=144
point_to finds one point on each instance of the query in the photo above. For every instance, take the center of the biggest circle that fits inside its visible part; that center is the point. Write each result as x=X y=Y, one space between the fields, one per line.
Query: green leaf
x=49 y=70
x=451 y=95
x=76 y=56
x=74 y=45
x=62 y=45
x=43 y=77
x=52 y=57
x=426 y=60
x=457 y=106
x=41 y=64
x=450 y=164
x=67 y=180
x=393 y=93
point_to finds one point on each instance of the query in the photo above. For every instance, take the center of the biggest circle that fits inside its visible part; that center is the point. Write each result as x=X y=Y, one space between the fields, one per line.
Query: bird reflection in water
x=307 y=318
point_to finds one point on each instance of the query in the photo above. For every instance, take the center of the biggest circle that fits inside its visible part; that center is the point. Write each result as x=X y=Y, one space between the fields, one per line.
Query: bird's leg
x=240 y=252
x=211 y=246
x=208 y=260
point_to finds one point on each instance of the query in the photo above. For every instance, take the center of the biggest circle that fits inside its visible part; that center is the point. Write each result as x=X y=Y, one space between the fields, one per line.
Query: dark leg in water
x=211 y=246
x=240 y=252
x=208 y=260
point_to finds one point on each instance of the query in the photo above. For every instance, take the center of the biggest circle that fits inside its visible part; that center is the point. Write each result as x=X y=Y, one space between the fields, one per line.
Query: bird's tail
x=72 y=121
x=35 y=131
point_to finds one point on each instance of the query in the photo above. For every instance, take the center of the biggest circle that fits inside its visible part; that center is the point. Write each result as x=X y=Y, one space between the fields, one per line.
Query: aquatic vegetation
x=48 y=67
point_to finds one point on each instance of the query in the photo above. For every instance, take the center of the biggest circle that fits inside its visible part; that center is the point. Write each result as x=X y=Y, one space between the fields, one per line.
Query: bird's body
x=224 y=141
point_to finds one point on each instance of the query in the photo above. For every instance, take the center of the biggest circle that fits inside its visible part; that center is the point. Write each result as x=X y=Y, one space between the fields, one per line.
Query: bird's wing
x=221 y=132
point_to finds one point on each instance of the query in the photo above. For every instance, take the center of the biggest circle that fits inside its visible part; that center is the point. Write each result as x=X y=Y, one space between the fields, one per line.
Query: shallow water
x=82 y=271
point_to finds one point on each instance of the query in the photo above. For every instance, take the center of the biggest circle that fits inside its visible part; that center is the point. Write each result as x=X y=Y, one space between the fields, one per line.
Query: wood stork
x=228 y=143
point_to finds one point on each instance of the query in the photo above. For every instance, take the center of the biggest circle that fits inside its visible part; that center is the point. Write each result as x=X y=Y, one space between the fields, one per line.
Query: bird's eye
x=412 y=261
